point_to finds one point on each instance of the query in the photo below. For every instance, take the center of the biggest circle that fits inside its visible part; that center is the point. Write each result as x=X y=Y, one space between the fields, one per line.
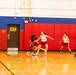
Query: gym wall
x=54 y=28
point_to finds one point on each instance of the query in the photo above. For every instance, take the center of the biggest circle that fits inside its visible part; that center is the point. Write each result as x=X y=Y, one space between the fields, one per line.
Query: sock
x=45 y=53
x=60 y=51
x=70 y=52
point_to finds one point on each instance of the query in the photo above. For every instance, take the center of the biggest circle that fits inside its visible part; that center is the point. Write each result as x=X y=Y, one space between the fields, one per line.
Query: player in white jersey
x=65 y=42
x=43 y=37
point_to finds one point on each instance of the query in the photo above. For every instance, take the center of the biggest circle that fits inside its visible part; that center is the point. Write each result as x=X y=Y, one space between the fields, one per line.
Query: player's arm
x=68 y=41
x=49 y=37
x=30 y=42
x=61 y=40
x=38 y=39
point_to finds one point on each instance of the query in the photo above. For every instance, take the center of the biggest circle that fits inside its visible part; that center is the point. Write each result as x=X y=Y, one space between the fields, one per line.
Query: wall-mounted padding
x=55 y=31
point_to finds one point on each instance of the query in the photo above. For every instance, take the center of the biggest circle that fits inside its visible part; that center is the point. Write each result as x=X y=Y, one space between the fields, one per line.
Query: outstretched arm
x=38 y=39
x=61 y=40
x=68 y=41
x=49 y=37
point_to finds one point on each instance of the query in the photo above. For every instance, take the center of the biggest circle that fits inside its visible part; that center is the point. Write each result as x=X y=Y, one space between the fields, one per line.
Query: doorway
x=13 y=37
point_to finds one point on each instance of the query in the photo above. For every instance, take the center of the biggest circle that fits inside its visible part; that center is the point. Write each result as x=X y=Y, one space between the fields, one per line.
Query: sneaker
x=60 y=55
x=60 y=51
x=37 y=53
x=75 y=55
x=28 y=53
x=45 y=54
x=70 y=53
x=33 y=55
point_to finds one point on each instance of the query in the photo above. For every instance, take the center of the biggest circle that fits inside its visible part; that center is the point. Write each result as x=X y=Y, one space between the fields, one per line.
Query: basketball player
x=43 y=37
x=65 y=42
x=33 y=45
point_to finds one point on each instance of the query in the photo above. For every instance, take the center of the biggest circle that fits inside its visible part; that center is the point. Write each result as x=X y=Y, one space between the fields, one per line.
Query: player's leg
x=61 y=49
x=32 y=52
x=45 y=50
x=69 y=50
x=38 y=48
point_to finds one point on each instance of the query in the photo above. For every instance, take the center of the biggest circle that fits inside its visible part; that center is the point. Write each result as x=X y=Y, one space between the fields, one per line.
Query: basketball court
x=52 y=64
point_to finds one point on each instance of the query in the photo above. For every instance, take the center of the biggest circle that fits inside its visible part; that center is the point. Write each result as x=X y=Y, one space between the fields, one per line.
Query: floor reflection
x=52 y=64
x=38 y=65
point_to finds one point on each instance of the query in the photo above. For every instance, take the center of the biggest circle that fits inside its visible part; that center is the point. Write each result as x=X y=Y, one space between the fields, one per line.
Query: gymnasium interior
x=19 y=19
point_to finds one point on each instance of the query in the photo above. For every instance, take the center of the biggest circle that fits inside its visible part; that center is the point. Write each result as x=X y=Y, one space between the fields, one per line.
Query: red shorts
x=65 y=44
x=35 y=43
x=43 y=43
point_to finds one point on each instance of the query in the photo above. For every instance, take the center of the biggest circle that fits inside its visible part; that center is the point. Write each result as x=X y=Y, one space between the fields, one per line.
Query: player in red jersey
x=65 y=42
x=43 y=37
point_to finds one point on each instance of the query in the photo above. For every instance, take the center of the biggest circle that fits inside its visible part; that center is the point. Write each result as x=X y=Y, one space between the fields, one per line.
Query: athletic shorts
x=65 y=44
x=43 y=43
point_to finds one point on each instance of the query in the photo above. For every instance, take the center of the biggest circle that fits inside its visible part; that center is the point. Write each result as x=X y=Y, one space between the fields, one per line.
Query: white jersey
x=43 y=38
x=65 y=40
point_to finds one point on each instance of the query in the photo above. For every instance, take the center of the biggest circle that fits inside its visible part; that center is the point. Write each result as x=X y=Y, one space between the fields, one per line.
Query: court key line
x=7 y=68
x=5 y=53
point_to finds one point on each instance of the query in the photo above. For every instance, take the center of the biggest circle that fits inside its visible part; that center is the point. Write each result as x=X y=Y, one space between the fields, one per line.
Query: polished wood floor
x=52 y=64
